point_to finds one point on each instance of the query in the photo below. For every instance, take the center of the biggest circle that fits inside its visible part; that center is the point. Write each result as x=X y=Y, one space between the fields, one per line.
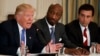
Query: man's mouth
x=29 y=23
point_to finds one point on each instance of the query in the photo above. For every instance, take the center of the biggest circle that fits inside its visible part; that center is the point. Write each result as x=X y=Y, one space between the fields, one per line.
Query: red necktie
x=85 y=35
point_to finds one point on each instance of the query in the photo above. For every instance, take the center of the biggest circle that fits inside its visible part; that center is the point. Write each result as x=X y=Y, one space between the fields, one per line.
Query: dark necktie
x=52 y=34
x=23 y=36
x=85 y=35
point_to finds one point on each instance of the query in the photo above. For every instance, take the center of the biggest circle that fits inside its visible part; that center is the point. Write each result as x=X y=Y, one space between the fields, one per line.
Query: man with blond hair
x=18 y=34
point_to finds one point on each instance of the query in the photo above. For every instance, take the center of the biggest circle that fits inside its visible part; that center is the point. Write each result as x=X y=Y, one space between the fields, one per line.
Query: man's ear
x=92 y=18
x=18 y=16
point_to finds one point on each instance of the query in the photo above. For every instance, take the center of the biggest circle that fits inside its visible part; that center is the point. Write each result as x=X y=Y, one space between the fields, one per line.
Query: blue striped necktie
x=52 y=34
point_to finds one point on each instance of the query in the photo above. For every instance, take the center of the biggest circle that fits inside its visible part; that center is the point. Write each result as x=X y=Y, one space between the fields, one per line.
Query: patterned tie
x=52 y=34
x=85 y=35
x=22 y=35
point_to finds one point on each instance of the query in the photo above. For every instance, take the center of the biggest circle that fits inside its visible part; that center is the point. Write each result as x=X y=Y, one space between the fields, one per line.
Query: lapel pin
x=37 y=29
x=30 y=37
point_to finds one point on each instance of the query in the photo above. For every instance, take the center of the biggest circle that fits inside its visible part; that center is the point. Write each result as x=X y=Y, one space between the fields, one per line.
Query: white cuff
x=78 y=48
x=18 y=52
x=44 y=50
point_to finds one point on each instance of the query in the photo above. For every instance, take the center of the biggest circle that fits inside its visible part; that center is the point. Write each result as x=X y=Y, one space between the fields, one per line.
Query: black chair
x=10 y=16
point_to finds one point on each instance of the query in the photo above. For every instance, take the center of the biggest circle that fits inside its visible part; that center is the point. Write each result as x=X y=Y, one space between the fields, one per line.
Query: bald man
x=49 y=22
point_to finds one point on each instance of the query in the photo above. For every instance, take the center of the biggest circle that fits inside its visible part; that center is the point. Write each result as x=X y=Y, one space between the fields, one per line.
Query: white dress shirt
x=88 y=34
x=20 y=31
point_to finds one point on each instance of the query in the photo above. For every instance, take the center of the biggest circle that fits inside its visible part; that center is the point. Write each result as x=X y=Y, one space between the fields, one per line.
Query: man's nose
x=54 y=16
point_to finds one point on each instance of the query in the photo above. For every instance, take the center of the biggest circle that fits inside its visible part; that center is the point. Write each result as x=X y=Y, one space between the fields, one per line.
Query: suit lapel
x=16 y=33
x=79 y=33
x=46 y=30
x=57 y=33
x=28 y=38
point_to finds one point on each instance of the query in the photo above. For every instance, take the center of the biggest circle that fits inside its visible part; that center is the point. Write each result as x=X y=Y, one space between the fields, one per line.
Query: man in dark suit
x=44 y=31
x=12 y=40
x=83 y=31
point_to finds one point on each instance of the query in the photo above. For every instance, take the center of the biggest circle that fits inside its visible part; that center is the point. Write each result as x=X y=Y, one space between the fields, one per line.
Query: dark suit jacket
x=10 y=38
x=44 y=34
x=74 y=33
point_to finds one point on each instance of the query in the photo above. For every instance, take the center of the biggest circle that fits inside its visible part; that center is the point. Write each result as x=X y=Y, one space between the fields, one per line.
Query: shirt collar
x=20 y=27
x=50 y=26
x=83 y=26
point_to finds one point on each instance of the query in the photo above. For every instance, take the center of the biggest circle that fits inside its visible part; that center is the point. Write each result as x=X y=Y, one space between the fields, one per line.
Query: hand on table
x=54 y=47
x=98 y=48
x=84 y=51
x=74 y=51
x=23 y=48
